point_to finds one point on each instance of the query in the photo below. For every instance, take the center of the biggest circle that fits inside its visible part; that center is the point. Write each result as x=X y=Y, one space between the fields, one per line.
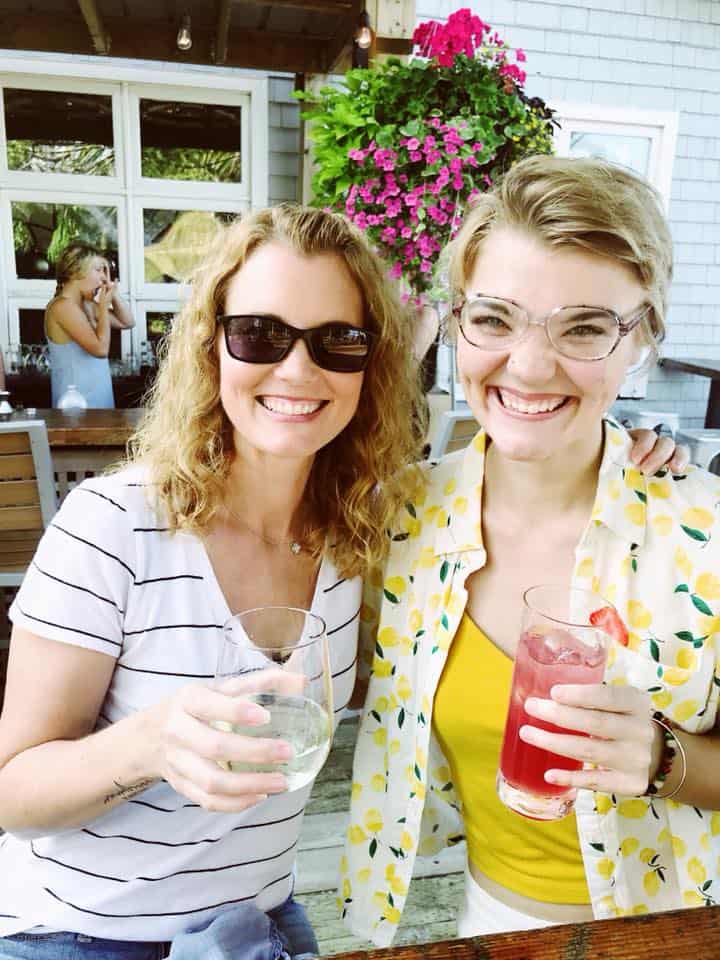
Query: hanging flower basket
x=404 y=148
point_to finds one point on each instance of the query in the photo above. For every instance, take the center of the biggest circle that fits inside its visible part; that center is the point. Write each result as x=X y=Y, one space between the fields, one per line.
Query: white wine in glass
x=285 y=649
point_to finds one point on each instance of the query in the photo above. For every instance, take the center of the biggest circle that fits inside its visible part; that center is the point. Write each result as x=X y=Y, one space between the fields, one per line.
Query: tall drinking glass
x=281 y=655
x=558 y=644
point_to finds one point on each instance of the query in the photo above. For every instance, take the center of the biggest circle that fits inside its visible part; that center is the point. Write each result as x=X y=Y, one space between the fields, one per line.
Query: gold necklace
x=294 y=545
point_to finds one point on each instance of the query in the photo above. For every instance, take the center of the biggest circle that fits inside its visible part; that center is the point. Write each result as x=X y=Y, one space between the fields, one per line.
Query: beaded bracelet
x=671 y=747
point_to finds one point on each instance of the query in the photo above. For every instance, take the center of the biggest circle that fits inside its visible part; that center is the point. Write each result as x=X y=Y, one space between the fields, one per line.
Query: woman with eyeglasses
x=264 y=473
x=561 y=276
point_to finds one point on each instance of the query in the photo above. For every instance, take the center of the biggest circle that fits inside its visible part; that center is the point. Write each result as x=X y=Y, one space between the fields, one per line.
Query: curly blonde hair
x=587 y=203
x=356 y=482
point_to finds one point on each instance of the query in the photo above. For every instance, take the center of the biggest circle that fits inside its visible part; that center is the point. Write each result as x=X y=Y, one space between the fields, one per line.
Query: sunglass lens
x=257 y=339
x=344 y=349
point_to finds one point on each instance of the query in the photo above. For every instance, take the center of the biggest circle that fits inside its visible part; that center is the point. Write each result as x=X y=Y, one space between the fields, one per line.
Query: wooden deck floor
x=431 y=908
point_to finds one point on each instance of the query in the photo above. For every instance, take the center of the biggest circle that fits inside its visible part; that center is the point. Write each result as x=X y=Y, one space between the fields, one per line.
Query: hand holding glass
x=281 y=654
x=558 y=644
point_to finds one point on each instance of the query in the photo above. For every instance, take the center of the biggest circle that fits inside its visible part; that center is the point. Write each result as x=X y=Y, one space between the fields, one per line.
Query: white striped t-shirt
x=109 y=577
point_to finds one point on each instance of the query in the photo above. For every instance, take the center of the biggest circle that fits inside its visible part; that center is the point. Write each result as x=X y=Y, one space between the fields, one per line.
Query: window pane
x=190 y=141
x=159 y=323
x=628 y=151
x=55 y=132
x=177 y=240
x=32 y=331
x=41 y=231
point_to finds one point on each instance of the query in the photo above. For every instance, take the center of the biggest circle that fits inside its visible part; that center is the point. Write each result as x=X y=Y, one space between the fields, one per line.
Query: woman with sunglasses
x=561 y=276
x=263 y=473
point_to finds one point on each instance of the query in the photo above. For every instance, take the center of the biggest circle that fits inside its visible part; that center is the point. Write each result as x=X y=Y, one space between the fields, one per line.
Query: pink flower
x=520 y=55
x=388 y=235
x=415 y=156
x=396 y=270
x=425 y=266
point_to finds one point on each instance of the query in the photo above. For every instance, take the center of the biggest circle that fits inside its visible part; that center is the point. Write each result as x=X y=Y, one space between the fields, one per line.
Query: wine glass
x=280 y=655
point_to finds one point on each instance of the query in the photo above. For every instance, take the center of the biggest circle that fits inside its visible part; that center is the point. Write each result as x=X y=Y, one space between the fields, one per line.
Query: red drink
x=541 y=662
x=551 y=651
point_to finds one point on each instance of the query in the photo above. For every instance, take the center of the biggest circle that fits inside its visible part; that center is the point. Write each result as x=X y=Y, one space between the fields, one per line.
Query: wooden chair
x=27 y=499
x=455 y=429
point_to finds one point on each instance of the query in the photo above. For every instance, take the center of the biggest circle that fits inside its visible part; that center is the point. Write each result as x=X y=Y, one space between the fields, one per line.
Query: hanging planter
x=403 y=149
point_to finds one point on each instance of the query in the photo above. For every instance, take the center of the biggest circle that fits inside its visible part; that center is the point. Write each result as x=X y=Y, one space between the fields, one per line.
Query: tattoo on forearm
x=126 y=792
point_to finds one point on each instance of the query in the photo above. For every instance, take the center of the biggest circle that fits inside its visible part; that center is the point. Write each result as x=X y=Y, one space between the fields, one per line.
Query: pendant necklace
x=295 y=546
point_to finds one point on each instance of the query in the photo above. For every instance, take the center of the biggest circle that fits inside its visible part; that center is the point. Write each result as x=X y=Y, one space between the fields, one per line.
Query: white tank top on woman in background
x=72 y=364
x=108 y=577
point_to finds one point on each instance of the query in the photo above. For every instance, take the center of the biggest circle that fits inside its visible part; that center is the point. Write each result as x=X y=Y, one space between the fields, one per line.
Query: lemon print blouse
x=652 y=547
x=535 y=859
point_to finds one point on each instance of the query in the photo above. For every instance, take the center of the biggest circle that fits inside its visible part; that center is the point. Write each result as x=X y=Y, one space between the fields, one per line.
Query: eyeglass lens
x=582 y=333
x=338 y=347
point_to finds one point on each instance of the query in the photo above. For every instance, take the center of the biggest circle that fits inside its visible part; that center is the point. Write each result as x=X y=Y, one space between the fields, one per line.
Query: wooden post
x=393 y=22
x=99 y=36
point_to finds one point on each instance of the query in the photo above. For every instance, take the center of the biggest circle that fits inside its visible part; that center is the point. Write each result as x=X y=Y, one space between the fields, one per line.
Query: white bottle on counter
x=72 y=401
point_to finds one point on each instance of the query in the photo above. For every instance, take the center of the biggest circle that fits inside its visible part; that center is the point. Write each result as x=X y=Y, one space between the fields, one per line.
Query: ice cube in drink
x=543 y=659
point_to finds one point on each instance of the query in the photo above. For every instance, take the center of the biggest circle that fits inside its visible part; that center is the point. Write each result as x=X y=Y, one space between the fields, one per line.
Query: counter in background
x=85 y=443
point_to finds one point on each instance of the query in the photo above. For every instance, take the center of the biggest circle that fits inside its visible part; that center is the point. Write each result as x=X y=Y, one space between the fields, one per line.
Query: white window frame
x=169 y=292
x=160 y=306
x=28 y=286
x=659 y=126
x=198 y=188
x=29 y=180
x=15 y=305
x=128 y=191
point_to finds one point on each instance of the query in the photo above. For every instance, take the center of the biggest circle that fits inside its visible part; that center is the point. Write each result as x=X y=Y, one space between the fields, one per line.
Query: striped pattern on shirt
x=108 y=576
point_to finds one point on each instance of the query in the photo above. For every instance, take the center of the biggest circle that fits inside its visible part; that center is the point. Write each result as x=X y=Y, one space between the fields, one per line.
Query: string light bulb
x=184 y=36
x=363 y=34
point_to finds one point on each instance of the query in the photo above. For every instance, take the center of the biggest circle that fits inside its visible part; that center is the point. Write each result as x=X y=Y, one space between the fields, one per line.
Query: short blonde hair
x=73 y=262
x=586 y=203
x=186 y=437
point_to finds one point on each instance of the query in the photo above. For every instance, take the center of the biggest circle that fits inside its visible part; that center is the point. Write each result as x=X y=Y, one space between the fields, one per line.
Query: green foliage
x=380 y=104
x=383 y=107
x=179 y=163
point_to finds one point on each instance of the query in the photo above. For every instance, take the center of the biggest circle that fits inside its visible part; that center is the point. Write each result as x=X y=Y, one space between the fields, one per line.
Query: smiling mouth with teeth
x=518 y=405
x=296 y=408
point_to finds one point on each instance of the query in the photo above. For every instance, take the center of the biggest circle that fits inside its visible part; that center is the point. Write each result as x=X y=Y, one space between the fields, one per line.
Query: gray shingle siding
x=284 y=141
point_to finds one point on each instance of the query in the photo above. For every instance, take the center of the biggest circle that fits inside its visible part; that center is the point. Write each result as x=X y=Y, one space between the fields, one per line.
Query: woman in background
x=78 y=320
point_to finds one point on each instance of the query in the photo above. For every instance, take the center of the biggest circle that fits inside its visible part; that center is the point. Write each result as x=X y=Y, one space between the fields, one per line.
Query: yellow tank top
x=532 y=858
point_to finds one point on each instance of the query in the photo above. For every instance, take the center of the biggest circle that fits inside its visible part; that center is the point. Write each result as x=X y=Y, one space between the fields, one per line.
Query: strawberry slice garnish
x=609 y=620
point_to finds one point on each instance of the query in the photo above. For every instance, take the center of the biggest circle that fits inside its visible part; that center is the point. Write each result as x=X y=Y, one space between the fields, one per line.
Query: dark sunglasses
x=338 y=347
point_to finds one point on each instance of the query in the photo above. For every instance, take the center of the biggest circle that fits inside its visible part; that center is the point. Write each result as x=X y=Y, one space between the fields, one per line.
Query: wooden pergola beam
x=324 y=6
x=222 y=30
x=155 y=40
x=98 y=34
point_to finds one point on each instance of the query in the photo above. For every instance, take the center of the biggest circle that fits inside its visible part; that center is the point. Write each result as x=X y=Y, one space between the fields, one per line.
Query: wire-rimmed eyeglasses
x=578 y=332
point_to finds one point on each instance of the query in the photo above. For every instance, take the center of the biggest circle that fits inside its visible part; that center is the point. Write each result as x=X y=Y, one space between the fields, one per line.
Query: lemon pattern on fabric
x=654 y=547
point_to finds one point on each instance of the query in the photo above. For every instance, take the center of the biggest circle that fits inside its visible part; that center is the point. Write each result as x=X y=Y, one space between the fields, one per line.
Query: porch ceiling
x=297 y=36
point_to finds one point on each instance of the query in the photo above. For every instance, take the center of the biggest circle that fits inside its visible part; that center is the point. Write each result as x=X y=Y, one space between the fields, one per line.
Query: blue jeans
x=240 y=934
